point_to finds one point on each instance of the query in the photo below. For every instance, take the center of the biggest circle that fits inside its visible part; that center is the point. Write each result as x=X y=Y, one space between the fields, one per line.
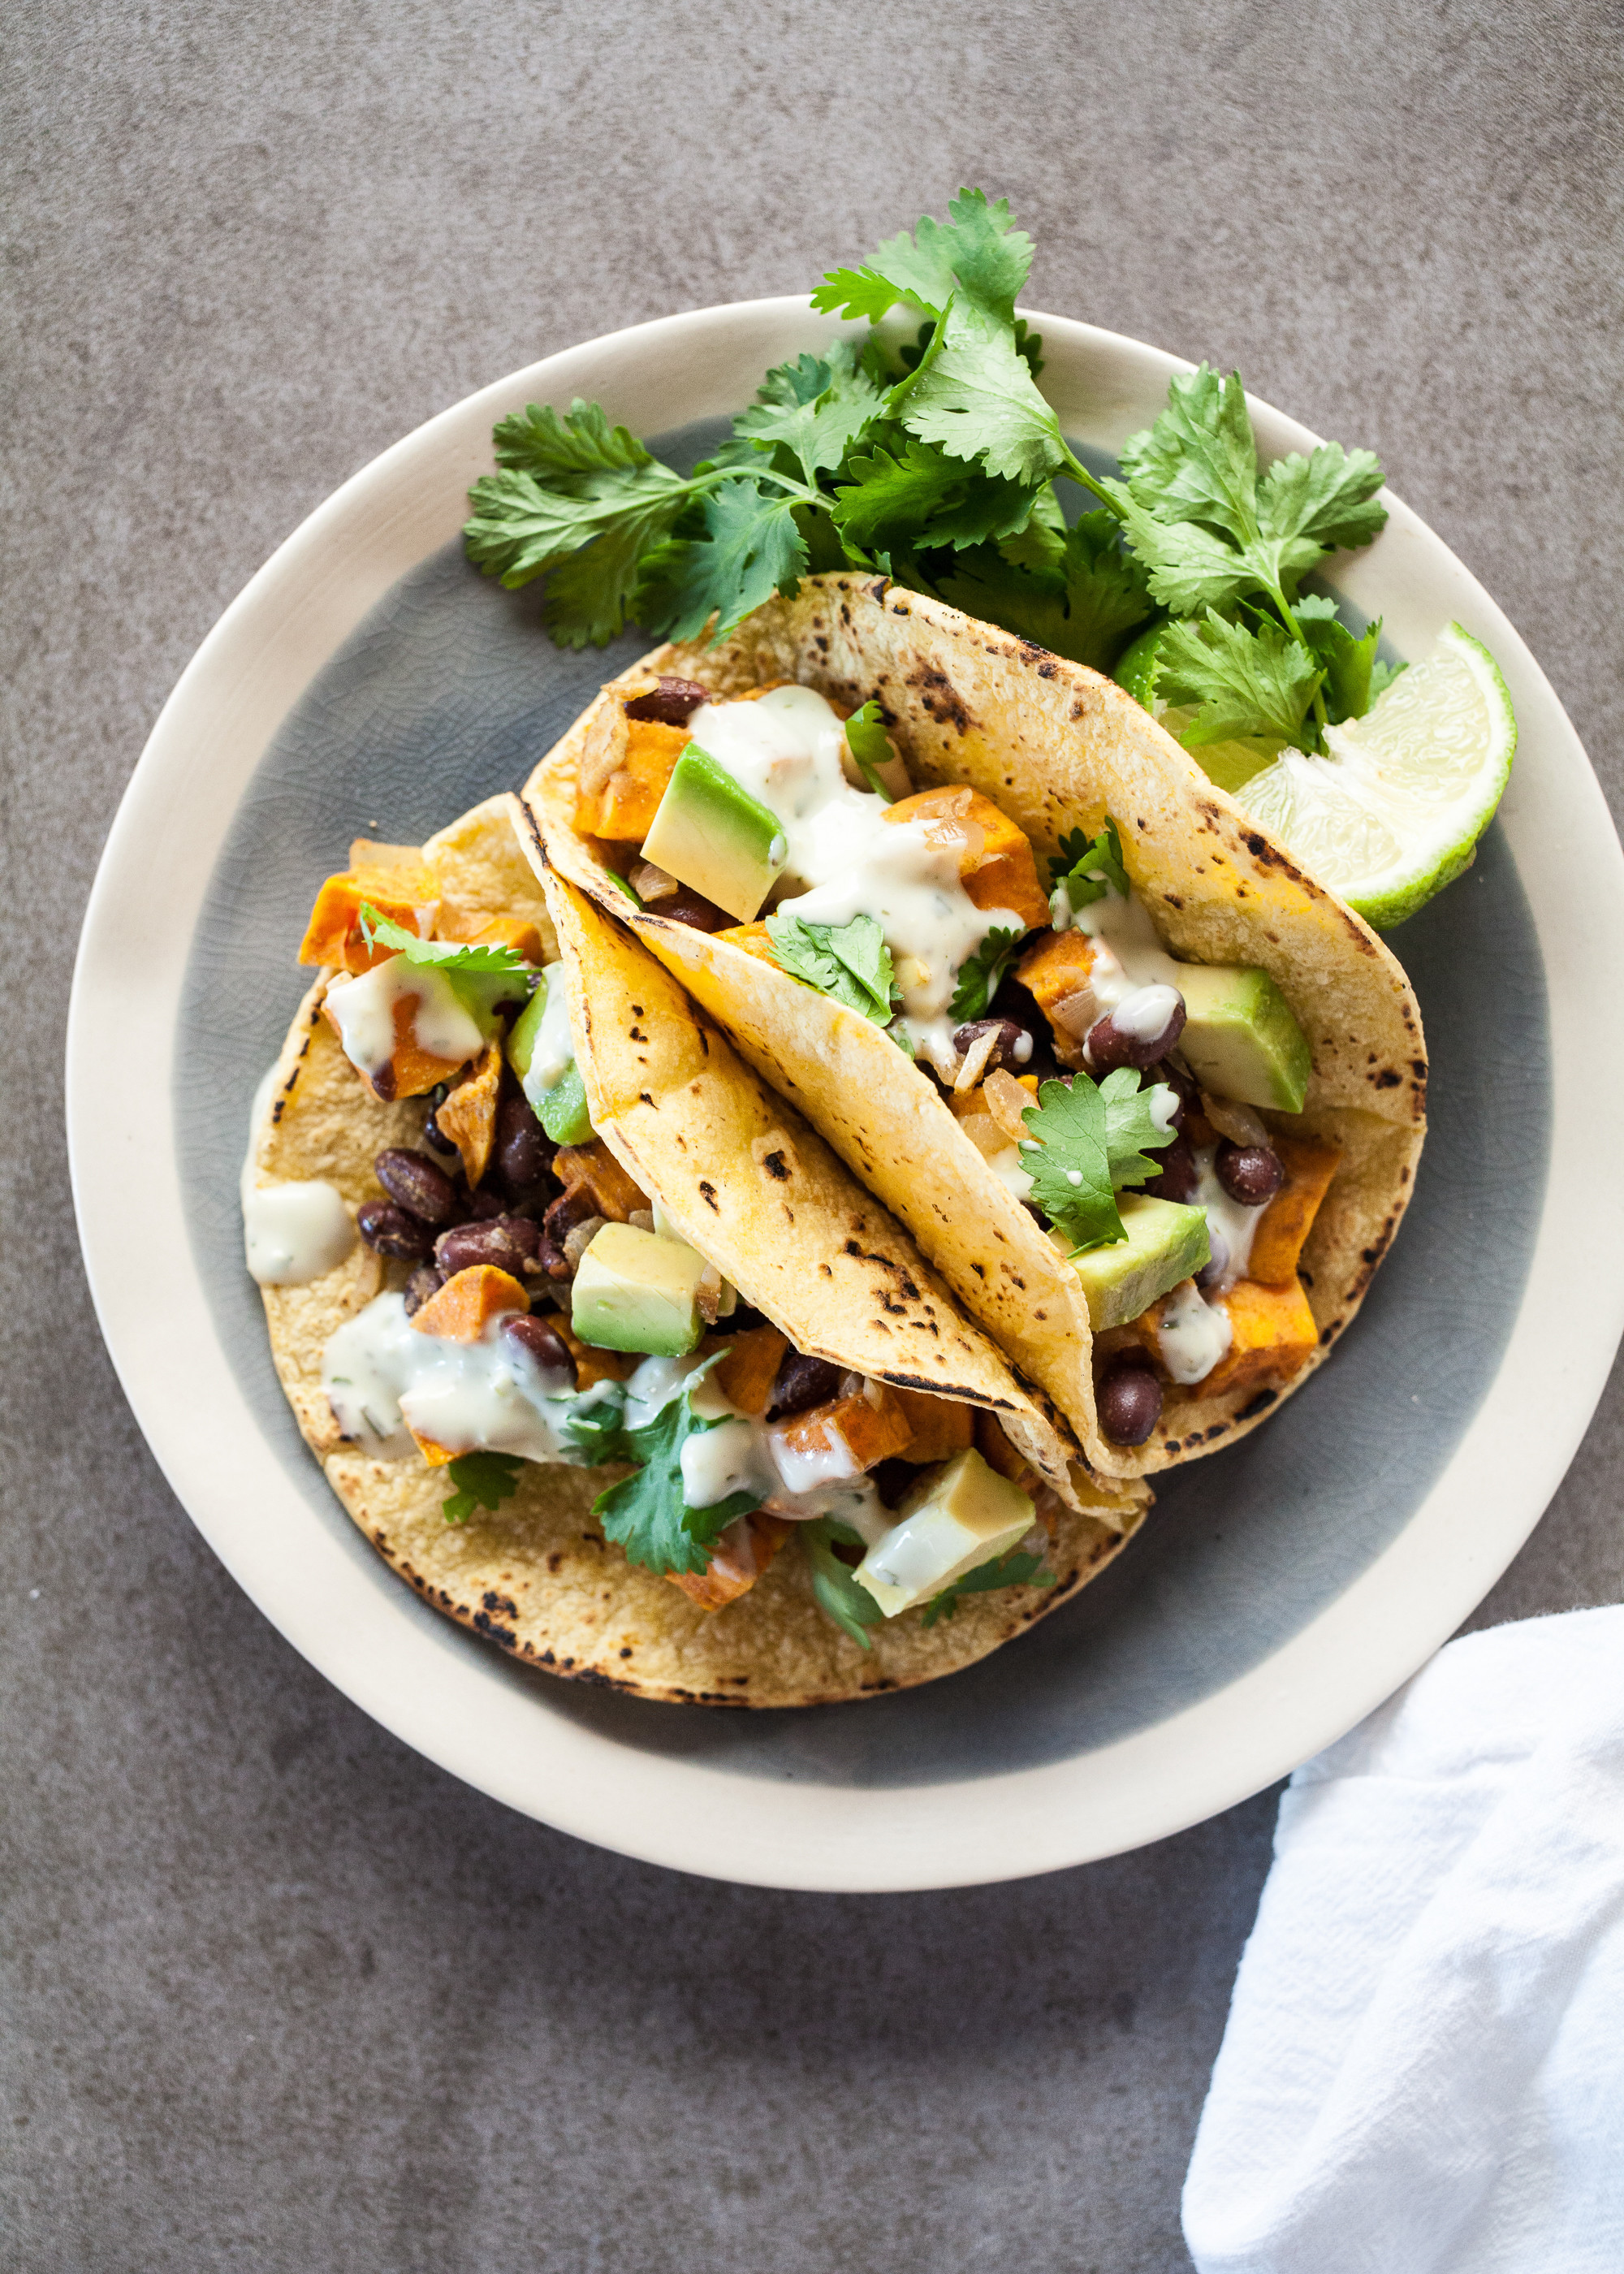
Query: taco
x=1148 y=1098
x=599 y=1344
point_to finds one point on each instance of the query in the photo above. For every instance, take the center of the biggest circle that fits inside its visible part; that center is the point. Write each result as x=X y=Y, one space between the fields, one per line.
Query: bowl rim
x=461 y=1704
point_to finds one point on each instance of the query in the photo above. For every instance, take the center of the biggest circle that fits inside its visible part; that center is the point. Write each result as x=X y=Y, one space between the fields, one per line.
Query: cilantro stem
x=1081 y=473
x=1321 y=717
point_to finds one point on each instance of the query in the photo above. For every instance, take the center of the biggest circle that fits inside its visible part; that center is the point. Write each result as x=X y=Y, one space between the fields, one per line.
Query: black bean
x=892 y=1481
x=543 y=1342
x=569 y=1209
x=802 y=1382
x=433 y=1135
x=1012 y=1045
x=1109 y=1046
x=1129 y=1403
x=481 y=1206
x=740 y=1321
x=686 y=907
x=1177 y=1177
x=672 y=704
x=414 y=1183
x=391 y=1231
x=509 y=1243
x=1251 y=1174
x=523 y=1149
x=421 y=1285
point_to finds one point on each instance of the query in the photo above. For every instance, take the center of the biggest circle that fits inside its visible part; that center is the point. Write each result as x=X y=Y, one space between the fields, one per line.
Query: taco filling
x=1117 y=1091
x=512 y=1297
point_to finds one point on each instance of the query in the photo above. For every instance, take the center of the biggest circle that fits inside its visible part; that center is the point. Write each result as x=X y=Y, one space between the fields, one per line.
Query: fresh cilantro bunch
x=1089 y=1142
x=933 y=464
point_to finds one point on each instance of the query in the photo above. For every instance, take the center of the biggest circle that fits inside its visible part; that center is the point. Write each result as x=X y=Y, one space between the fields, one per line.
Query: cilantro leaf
x=1091 y=1142
x=1329 y=497
x=482 y=1480
x=647 y=1514
x=982 y=974
x=538 y=441
x=849 y=962
x=450 y=955
x=870 y=746
x=911 y=494
x=1090 y=867
x=1013 y=1570
x=815 y=407
x=1247 y=682
x=1349 y=664
x=1077 y=593
x=1199 y=462
x=978 y=399
x=1383 y=677
x=978 y=247
x=836 y=1592
x=751 y=548
x=562 y=486
x=594 y=1426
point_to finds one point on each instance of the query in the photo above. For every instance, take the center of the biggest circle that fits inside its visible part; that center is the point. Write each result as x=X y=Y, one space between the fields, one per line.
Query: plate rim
x=259 y=655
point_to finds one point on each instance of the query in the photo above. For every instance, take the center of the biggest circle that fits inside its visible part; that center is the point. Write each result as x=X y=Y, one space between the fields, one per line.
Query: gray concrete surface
x=277 y=1994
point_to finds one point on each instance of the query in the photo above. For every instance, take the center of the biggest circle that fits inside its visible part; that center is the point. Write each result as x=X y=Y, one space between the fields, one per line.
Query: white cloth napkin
x=1423 y=2071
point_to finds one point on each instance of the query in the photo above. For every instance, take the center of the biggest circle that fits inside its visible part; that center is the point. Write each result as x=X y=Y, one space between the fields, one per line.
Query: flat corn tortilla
x=1058 y=748
x=536 y=1576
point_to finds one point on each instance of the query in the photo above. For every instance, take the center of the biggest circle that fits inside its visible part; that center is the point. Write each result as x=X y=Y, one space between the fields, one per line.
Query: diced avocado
x=1240 y=1038
x=713 y=835
x=526 y=1030
x=635 y=1291
x=563 y=1109
x=1165 y=1242
x=541 y=1053
x=967 y=1514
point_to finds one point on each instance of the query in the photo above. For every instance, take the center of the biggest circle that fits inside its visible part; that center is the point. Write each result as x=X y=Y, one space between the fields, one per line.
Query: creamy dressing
x=362 y=1010
x=383 y=1379
x=554 y=1051
x=1007 y=1168
x=1128 y=955
x=788 y=750
x=1146 y=1012
x=1229 y=1222
x=293 y=1231
x=1192 y=1334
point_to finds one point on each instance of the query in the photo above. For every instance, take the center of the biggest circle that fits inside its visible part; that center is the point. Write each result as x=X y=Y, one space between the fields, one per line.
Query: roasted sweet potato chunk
x=996 y=861
x=862 y=1430
x=411 y=1072
x=1274 y=1338
x=621 y=805
x=516 y=932
x=614 y=1193
x=746 y=1374
x=942 y=1426
x=461 y=1310
x=1310 y=1164
x=752 y=938
x=407 y=894
x=468 y=1115
x=737 y=1562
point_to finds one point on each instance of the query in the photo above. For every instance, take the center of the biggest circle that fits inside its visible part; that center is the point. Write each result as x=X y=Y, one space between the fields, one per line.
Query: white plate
x=1194 y=1683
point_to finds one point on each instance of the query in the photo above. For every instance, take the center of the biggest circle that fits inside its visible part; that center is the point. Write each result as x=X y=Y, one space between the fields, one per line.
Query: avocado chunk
x=967 y=1514
x=1240 y=1038
x=1165 y=1242
x=713 y=835
x=636 y=1292
x=542 y=1054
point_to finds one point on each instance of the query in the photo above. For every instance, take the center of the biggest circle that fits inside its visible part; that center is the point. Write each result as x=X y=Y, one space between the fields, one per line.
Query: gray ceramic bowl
x=369 y=681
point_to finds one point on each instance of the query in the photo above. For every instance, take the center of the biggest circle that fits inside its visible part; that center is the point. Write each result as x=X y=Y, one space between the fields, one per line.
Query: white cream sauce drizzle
x=364 y=1010
x=1227 y=1221
x=293 y=1231
x=555 y=1050
x=380 y=1374
x=1128 y=954
x=1192 y=1334
x=787 y=750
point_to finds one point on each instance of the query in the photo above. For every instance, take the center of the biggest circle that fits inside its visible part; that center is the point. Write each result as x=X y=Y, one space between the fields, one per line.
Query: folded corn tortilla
x=782 y=1219
x=1059 y=748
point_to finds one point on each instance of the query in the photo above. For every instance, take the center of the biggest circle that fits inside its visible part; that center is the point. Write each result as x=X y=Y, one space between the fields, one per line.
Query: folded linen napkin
x=1423 y=2071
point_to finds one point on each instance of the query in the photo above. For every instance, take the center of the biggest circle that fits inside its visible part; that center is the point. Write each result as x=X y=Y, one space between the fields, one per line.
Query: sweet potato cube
x=436 y=1456
x=410 y=1072
x=620 y=807
x=942 y=1426
x=752 y=938
x=996 y=861
x=746 y=1374
x=614 y=1194
x=737 y=1561
x=1274 y=1338
x=468 y=1115
x=516 y=932
x=406 y=894
x=1310 y=1163
x=592 y=1364
x=461 y=1310
x=863 y=1432
x=1057 y=966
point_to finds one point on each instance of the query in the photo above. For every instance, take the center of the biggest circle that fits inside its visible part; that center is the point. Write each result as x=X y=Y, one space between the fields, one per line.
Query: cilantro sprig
x=870 y=747
x=835 y=1590
x=849 y=962
x=449 y=955
x=982 y=974
x=1015 y=1568
x=480 y=1480
x=648 y=1514
x=1087 y=869
x=1089 y=1142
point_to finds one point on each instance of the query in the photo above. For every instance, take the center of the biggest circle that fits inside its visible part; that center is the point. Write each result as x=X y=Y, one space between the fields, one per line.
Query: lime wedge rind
x=1394 y=811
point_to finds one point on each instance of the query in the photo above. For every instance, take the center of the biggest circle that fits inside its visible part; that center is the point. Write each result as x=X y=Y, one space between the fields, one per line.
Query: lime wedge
x=1393 y=813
